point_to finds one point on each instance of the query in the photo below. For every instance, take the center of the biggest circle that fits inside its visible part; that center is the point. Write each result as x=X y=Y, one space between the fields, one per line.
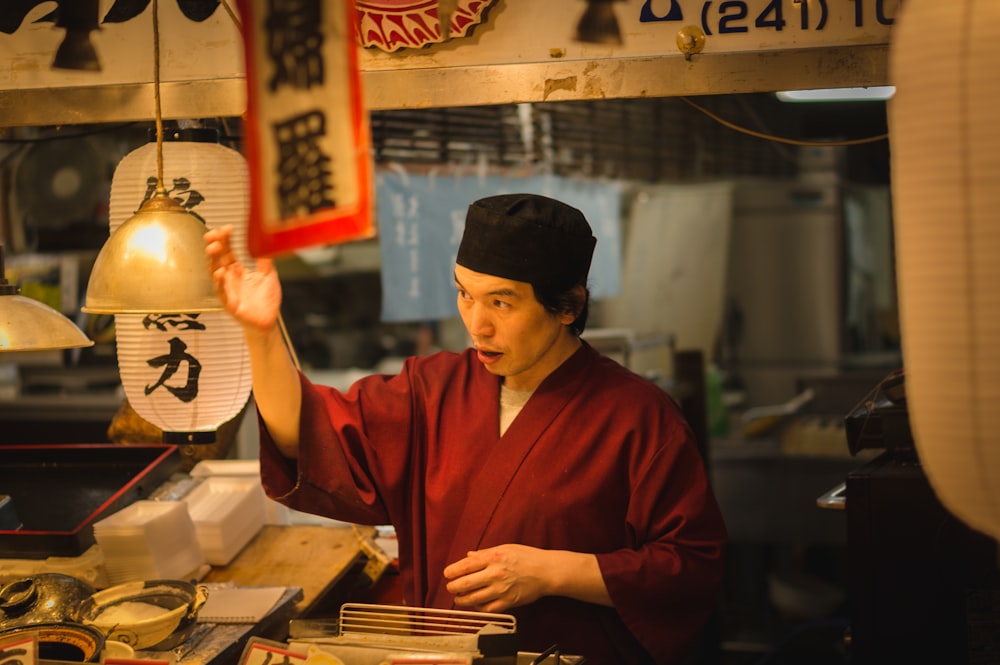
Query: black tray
x=58 y=491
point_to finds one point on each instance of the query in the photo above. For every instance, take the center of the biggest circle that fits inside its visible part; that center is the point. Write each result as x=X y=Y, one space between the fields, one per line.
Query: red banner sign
x=306 y=132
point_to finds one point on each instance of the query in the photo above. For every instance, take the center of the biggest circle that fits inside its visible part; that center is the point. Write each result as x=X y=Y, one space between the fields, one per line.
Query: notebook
x=239 y=604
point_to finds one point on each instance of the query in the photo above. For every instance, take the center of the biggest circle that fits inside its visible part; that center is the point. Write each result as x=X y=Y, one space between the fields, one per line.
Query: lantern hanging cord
x=232 y=14
x=156 y=97
x=288 y=342
x=779 y=139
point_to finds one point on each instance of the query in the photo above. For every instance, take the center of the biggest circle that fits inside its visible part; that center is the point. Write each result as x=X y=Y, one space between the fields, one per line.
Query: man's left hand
x=498 y=578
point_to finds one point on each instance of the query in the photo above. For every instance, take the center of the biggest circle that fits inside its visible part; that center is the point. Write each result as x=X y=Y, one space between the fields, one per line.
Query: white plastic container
x=227 y=512
x=274 y=512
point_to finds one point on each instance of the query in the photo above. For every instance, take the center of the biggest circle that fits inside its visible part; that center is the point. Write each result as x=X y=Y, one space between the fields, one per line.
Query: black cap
x=527 y=238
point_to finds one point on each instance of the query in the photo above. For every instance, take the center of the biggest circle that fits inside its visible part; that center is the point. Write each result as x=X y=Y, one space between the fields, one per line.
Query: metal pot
x=41 y=598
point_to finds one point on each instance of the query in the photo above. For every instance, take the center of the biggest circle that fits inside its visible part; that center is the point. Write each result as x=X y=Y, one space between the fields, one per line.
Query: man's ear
x=579 y=300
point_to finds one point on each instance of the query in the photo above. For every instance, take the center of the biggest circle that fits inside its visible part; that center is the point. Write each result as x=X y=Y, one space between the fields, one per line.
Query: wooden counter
x=313 y=557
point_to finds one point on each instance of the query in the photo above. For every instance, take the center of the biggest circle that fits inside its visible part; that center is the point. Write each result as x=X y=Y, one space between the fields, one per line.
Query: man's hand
x=253 y=298
x=499 y=578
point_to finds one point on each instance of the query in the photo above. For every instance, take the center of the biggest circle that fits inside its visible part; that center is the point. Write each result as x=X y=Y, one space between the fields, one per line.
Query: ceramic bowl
x=156 y=614
x=120 y=650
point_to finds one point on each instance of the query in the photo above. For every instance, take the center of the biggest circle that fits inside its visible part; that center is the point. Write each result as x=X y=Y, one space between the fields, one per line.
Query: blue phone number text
x=734 y=16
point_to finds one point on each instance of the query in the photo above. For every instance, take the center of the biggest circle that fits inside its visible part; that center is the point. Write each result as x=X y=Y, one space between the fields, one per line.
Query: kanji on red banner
x=307 y=137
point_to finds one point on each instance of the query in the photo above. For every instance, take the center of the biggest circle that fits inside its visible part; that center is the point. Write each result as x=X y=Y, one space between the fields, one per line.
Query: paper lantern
x=946 y=194
x=185 y=373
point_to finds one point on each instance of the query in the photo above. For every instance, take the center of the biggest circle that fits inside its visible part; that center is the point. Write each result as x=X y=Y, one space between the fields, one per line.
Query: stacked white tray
x=227 y=512
x=149 y=540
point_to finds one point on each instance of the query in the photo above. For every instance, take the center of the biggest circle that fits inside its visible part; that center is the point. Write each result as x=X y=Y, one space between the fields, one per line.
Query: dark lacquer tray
x=57 y=492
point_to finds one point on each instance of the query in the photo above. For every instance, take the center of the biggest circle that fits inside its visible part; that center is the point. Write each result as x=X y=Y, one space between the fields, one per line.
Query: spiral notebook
x=239 y=604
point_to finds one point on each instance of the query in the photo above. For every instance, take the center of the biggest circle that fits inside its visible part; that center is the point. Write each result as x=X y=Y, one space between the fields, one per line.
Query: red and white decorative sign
x=394 y=24
x=259 y=651
x=306 y=134
x=19 y=649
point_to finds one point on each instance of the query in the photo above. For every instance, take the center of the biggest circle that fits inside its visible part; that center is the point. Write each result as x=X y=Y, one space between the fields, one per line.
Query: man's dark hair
x=557 y=301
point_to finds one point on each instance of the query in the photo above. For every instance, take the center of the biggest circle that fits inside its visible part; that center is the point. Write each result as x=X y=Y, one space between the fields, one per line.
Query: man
x=527 y=474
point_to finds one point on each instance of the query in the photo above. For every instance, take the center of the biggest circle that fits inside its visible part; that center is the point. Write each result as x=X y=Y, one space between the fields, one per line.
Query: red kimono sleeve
x=665 y=589
x=335 y=473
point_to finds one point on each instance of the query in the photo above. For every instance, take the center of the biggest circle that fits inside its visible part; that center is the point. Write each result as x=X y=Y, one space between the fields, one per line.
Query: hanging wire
x=779 y=139
x=232 y=15
x=156 y=97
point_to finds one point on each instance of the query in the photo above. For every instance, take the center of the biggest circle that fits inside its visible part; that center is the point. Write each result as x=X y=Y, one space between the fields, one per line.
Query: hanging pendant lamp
x=30 y=325
x=154 y=262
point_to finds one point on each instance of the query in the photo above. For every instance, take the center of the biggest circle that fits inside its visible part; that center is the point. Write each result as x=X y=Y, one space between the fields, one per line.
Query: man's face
x=514 y=335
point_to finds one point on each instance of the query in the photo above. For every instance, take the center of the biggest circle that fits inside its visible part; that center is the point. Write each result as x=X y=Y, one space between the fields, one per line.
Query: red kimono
x=599 y=460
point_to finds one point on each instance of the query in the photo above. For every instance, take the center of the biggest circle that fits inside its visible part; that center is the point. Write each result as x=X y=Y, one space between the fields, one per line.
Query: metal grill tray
x=367 y=634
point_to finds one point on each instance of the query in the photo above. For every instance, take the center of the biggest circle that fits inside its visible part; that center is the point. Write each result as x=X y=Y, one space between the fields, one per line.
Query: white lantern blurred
x=185 y=373
x=946 y=196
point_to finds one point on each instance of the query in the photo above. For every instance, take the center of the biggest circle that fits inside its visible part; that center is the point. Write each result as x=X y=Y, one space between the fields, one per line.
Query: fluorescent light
x=874 y=93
